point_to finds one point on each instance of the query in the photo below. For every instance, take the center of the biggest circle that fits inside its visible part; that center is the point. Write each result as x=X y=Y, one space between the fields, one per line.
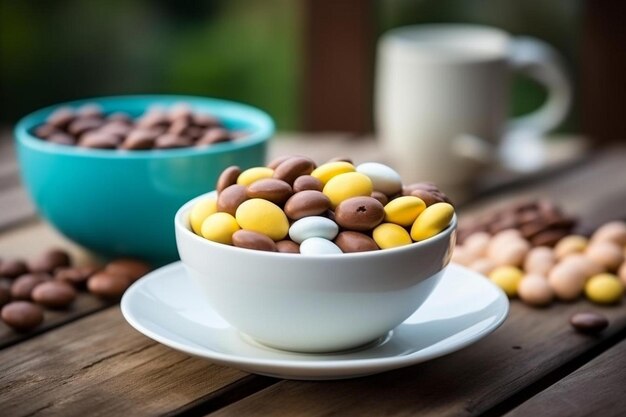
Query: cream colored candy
x=389 y=235
x=580 y=261
x=621 y=273
x=219 y=227
x=504 y=236
x=385 y=179
x=569 y=245
x=613 y=231
x=483 y=266
x=431 y=221
x=344 y=186
x=539 y=261
x=535 y=290
x=404 y=210
x=263 y=217
x=605 y=253
x=461 y=256
x=510 y=252
x=477 y=243
x=331 y=169
x=567 y=280
x=200 y=211
x=604 y=289
x=508 y=278
x=251 y=175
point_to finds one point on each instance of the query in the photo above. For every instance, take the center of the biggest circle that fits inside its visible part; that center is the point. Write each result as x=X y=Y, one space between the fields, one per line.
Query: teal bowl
x=122 y=203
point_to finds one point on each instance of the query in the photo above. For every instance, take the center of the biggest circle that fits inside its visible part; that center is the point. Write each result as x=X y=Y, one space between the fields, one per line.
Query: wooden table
x=89 y=361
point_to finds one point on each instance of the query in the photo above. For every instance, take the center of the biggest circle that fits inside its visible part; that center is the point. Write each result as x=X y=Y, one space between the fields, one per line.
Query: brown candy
x=306 y=203
x=349 y=241
x=120 y=118
x=49 y=261
x=278 y=160
x=178 y=127
x=380 y=197
x=54 y=294
x=46 y=130
x=227 y=178
x=548 y=237
x=61 y=117
x=13 y=268
x=287 y=246
x=429 y=197
x=119 y=129
x=170 y=141
x=133 y=269
x=153 y=118
x=75 y=276
x=274 y=190
x=83 y=125
x=204 y=120
x=5 y=295
x=427 y=186
x=99 y=140
x=589 y=323
x=106 y=285
x=307 y=182
x=359 y=213
x=214 y=135
x=139 y=139
x=90 y=110
x=253 y=240
x=292 y=168
x=23 y=287
x=22 y=315
x=230 y=198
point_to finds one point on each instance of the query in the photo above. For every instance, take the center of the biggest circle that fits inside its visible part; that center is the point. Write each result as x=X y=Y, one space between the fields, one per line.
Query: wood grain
x=530 y=346
x=596 y=389
x=84 y=305
x=100 y=366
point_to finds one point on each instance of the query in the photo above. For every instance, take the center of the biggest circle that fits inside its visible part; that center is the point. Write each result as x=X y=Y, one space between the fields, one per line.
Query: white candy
x=318 y=246
x=313 y=226
x=384 y=179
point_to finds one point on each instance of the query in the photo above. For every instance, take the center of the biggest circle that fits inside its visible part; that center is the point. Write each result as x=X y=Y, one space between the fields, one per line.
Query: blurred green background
x=244 y=50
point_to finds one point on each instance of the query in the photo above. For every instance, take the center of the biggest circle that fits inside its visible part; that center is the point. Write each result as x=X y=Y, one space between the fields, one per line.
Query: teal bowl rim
x=263 y=129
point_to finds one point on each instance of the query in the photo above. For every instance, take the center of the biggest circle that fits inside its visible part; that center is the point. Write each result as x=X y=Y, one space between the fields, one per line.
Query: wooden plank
x=100 y=366
x=596 y=389
x=531 y=345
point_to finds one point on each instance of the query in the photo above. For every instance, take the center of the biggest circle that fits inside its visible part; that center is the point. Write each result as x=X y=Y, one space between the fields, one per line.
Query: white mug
x=442 y=97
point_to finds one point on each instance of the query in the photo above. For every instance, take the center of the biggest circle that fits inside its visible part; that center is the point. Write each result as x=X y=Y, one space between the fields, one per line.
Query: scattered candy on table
x=594 y=267
x=294 y=206
x=51 y=281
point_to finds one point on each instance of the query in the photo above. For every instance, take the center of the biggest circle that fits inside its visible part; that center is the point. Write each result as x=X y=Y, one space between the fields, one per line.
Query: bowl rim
x=264 y=128
x=179 y=224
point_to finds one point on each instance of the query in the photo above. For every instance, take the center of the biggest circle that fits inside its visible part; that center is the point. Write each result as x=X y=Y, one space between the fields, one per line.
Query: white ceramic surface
x=313 y=303
x=165 y=306
x=442 y=97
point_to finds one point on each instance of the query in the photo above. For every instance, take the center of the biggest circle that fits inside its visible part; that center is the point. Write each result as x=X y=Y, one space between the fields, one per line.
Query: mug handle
x=541 y=62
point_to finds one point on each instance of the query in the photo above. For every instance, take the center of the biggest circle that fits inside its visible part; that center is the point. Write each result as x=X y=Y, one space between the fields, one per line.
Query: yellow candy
x=219 y=227
x=508 y=278
x=200 y=211
x=264 y=217
x=404 y=210
x=431 y=221
x=251 y=175
x=389 y=235
x=345 y=186
x=331 y=169
x=604 y=289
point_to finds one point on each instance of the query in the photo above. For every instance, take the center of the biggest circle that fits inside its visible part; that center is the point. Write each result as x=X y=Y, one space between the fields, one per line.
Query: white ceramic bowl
x=311 y=303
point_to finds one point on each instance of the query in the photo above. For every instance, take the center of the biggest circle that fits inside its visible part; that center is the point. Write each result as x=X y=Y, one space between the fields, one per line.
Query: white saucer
x=166 y=306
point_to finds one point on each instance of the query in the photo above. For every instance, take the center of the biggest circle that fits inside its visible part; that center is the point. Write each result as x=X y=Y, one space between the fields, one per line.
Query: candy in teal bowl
x=122 y=203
